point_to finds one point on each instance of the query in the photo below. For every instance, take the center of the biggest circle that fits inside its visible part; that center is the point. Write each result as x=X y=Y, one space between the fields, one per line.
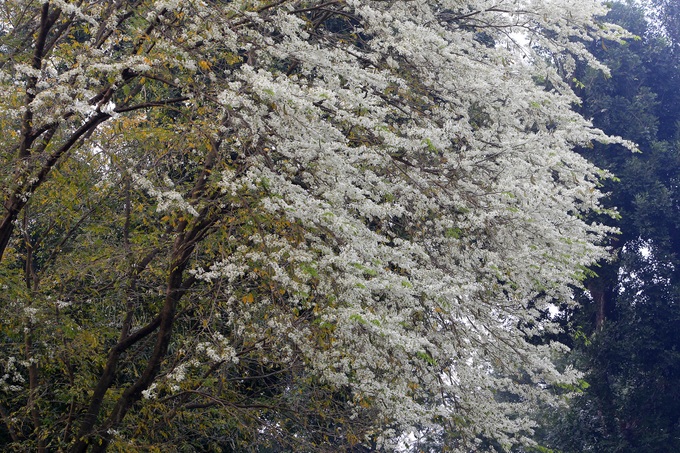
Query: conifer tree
x=627 y=328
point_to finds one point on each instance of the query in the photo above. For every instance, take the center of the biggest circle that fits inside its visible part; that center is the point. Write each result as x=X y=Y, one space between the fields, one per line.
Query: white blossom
x=389 y=191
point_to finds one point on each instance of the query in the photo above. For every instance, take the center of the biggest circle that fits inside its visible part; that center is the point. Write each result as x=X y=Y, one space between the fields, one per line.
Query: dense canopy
x=288 y=225
x=629 y=324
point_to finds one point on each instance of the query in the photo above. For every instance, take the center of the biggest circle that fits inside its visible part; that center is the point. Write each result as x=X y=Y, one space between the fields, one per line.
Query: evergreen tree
x=628 y=329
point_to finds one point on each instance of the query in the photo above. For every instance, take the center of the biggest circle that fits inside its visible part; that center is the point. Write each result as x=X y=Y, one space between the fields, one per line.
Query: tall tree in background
x=629 y=328
x=287 y=225
x=666 y=14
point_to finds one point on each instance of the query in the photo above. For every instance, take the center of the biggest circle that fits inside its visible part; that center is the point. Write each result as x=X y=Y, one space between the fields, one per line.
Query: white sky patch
x=645 y=251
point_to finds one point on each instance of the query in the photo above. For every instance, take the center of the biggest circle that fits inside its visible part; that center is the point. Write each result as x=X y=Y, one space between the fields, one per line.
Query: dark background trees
x=627 y=333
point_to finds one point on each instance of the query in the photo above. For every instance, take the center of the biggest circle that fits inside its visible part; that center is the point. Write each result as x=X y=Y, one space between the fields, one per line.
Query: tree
x=665 y=14
x=287 y=225
x=627 y=328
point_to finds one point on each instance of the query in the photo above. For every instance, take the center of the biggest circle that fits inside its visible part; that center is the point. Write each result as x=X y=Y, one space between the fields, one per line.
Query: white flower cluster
x=11 y=380
x=150 y=393
x=167 y=200
x=218 y=350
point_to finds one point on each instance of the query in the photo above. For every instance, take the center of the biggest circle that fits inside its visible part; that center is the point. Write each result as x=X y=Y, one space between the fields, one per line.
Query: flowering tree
x=306 y=225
